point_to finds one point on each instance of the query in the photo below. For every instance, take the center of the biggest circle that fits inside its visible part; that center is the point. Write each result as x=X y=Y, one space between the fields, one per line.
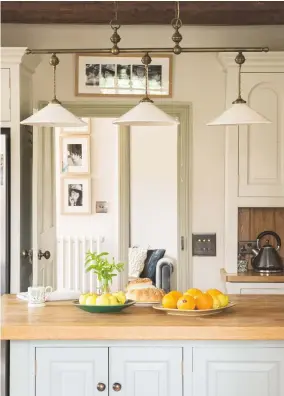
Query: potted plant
x=105 y=270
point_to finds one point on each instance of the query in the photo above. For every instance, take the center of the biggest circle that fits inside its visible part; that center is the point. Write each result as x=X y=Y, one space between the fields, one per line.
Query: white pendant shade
x=53 y=115
x=146 y=113
x=239 y=114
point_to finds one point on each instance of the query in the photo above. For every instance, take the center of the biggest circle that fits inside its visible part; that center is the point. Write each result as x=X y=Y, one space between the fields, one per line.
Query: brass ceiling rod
x=149 y=50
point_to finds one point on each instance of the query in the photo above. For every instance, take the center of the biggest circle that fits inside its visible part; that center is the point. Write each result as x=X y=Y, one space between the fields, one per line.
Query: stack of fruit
x=118 y=298
x=195 y=299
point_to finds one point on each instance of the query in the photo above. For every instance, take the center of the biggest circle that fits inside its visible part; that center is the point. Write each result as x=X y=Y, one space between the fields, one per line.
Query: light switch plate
x=101 y=207
x=204 y=244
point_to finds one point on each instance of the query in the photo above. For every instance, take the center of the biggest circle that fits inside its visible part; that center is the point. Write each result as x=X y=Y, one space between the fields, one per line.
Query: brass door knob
x=116 y=387
x=45 y=254
x=101 y=387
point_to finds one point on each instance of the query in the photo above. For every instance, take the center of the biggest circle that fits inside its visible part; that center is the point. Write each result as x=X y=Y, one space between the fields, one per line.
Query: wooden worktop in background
x=253 y=318
x=251 y=277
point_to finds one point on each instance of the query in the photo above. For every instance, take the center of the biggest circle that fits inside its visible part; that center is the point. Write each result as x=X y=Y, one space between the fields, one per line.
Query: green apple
x=113 y=300
x=120 y=296
x=91 y=300
x=83 y=298
x=103 y=300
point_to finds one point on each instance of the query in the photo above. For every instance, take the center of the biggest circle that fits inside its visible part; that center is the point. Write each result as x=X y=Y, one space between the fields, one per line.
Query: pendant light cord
x=54 y=61
x=177 y=10
x=146 y=60
x=240 y=60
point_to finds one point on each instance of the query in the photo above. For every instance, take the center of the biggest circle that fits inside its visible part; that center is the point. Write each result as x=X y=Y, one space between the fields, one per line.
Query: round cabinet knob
x=116 y=387
x=101 y=387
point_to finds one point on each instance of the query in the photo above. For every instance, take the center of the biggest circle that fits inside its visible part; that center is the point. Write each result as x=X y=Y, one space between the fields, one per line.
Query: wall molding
x=254 y=60
x=183 y=112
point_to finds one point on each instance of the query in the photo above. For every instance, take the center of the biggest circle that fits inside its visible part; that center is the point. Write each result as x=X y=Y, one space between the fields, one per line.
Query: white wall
x=153 y=164
x=197 y=78
x=104 y=182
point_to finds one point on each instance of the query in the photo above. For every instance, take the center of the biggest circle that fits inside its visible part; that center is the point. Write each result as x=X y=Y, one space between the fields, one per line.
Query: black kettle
x=266 y=258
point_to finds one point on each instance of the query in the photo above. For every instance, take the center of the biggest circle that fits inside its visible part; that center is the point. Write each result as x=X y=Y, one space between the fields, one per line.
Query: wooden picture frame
x=122 y=76
x=76 y=195
x=75 y=154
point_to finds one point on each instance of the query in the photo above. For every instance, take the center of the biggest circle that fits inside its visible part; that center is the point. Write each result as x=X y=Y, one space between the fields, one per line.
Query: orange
x=194 y=292
x=169 y=301
x=205 y=301
x=176 y=294
x=186 y=302
x=214 y=292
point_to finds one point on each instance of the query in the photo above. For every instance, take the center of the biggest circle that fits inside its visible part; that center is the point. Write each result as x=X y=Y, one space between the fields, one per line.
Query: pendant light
x=146 y=113
x=53 y=115
x=240 y=113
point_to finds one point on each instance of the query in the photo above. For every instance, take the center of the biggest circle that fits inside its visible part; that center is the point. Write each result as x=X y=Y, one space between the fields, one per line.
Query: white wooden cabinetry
x=71 y=371
x=254 y=163
x=184 y=368
x=261 y=147
x=5 y=95
x=254 y=288
x=238 y=371
x=146 y=371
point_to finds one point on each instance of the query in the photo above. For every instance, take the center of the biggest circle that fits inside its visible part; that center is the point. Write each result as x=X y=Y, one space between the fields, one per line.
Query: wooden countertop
x=251 y=277
x=253 y=318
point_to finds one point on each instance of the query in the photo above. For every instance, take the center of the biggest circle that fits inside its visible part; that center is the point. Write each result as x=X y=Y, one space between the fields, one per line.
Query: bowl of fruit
x=195 y=302
x=104 y=303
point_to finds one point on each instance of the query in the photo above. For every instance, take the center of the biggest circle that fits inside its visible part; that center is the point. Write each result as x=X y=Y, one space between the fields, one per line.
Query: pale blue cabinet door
x=238 y=371
x=145 y=371
x=71 y=371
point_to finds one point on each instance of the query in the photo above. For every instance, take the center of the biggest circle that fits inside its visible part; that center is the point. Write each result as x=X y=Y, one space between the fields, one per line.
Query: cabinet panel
x=236 y=371
x=5 y=95
x=146 y=371
x=71 y=371
x=261 y=147
x=256 y=290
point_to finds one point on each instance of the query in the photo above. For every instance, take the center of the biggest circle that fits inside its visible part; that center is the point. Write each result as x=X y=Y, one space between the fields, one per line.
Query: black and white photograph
x=122 y=76
x=107 y=77
x=92 y=74
x=75 y=195
x=155 y=76
x=75 y=154
x=138 y=77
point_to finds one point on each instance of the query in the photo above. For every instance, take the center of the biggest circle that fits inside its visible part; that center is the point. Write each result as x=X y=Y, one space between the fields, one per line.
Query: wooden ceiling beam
x=144 y=12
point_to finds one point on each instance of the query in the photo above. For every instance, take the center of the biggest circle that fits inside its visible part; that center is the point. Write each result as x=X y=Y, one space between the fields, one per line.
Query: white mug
x=37 y=295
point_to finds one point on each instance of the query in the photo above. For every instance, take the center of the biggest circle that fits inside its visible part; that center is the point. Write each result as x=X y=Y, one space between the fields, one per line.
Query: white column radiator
x=71 y=270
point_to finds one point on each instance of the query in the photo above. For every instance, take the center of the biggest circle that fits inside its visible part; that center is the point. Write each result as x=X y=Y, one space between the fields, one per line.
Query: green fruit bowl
x=104 y=308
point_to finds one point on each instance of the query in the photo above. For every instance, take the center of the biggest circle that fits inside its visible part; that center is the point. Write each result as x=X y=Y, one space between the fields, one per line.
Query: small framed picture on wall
x=75 y=195
x=75 y=154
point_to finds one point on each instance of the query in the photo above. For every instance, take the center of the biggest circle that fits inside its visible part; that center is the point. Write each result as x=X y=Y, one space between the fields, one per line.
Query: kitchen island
x=59 y=350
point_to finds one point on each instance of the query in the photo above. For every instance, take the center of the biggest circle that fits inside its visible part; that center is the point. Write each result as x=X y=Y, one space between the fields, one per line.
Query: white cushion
x=136 y=260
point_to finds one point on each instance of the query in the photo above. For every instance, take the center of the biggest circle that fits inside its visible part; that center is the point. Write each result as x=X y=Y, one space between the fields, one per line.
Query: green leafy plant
x=100 y=265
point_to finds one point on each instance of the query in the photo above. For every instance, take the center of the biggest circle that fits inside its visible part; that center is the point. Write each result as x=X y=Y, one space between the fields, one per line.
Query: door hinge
x=35 y=368
x=182 y=242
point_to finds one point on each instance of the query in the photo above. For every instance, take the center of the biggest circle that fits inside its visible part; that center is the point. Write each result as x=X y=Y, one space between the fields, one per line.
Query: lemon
x=216 y=302
x=223 y=299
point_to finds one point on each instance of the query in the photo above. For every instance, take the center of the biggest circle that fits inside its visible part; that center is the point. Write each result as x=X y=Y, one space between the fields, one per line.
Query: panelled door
x=261 y=146
x=145 y=371
x=238 y=372
x=44 y=227
x=71 y=371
